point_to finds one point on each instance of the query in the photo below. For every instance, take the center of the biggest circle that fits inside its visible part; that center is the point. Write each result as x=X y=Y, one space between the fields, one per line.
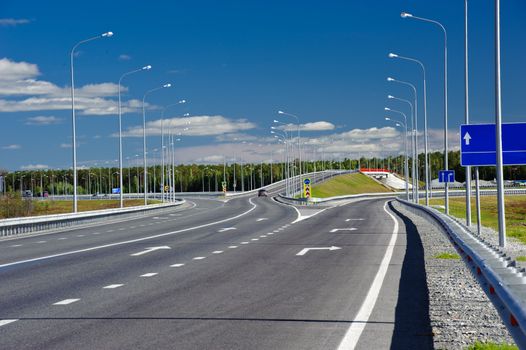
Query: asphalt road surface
x=220 y=275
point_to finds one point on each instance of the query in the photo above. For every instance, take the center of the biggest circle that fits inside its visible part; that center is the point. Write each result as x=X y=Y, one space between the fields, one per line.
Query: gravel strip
x=459 y=310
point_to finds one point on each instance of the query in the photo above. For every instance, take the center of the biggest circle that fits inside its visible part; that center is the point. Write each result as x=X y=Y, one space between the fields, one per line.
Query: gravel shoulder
x=459 y=310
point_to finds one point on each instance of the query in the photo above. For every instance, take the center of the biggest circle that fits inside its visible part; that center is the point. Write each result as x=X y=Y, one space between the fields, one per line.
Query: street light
x=414 y=149
x=299 y=137
x=148 y=67
x=408 y=15
x=426 y=159
x=162 y=142
x=398 y=123
x=144 y=137
x=73 y=119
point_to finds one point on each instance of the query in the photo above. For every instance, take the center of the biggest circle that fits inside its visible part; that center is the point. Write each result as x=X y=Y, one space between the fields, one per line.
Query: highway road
x=213 y=274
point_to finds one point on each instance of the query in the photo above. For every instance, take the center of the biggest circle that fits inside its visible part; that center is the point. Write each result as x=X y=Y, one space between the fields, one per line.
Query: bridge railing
x=498 y=275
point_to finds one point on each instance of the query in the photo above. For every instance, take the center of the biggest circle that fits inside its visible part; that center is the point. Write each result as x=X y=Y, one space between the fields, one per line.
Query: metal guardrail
x=315 y=201
x=497 y=274
x=24 y=225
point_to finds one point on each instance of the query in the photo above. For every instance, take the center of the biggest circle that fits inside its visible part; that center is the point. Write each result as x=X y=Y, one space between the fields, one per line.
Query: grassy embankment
x=347 y=184
x=16 y=207
x=515 y=212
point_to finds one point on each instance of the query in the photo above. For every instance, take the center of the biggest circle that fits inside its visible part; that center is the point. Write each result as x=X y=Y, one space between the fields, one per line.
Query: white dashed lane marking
x=149 y=274
x=177 y=265
x=4 y=322
x=113 y=286
x=80 y=235
x=40 y=242
x=244 y=242
x=200 y=257
x=66 y=301
x=217 y=252
x=62 y=238
x=232 y=247
x=255 y=239
x=15 y=245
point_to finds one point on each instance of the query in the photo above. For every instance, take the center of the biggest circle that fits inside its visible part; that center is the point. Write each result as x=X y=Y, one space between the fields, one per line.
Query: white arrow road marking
x=66 y=301
x=227 y=229
x=113 y=286
x=347 y=220
x=467 y=138
x=4 y=322
x=343 y=229
x=149 y=250
x=149 y=274
x=261 y=219
x=177 y=265
x=306 y=250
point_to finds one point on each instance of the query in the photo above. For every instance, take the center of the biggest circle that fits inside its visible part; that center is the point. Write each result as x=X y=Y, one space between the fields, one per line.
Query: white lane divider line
x=66 y=302
x=132 y=227
x=40 y=242
x=4 y=322
x=96 y=233
x=62 y=238
x=261 y=219
x=122 y=229
x=110 y=231
x=356 y=328
x=80 y=236
x=244 y=242
x=217 y=252
x=177 y=265
x=113 y=286
x=270 y=233
x=275 y=231
x=199 y=258
x=232 y=247
x=150 y=274
x=254 y=206
x=262 y=236
x=226 y=229
x=347 y=220
x=149 y=250
x=343 y=229
x=15 y=245
x=255 y=239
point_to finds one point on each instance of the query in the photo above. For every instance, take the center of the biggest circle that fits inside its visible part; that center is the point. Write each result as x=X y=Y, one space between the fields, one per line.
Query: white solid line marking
x=4 y=322
x=343 y=229
x=15 y=245
x=244 y=242
x=149 y=274
x=254 y=206
x=80 y=235
x=176 y=265
x=232 y=247
x=255 y=239
x=66 y=301
x=355 y=330
x=217 y=252
x=200 y=257
x=113 y=286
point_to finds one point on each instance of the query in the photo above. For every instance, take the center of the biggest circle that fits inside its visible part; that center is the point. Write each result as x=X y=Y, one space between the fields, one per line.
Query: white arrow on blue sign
x=478 y=148
x=446 y=176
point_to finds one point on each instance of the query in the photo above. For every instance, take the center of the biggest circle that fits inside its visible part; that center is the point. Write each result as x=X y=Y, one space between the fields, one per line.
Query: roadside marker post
x=306 y=188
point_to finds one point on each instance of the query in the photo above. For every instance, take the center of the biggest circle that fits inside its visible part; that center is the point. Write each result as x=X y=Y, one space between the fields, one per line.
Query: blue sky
x=237 y=63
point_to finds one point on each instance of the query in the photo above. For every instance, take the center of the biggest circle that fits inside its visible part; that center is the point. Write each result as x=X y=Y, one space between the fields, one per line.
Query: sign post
x=223 y=184
x=306 y=188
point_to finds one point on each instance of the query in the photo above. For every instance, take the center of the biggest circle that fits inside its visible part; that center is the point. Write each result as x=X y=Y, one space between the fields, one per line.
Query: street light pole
x=405 y=122
x=399 y=123
x=73 y=118
x=145 y=181
x=446 y=187
x=121 y=197
x=426 y=145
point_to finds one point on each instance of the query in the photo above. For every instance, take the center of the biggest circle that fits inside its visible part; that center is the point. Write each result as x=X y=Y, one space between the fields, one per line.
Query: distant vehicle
x=262 y=193
x=46 y=194
x=27 y=193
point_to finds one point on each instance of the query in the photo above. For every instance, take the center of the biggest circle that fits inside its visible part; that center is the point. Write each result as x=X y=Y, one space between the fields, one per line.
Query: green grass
x=520 y=258
x=447 y=256
x=491 y=346
x=347 y=184
x=515 y=213
x=48 y=207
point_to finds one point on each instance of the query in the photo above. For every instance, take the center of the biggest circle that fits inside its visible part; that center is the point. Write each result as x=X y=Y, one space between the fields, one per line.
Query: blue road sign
x=116 y=190
x=446 y=176
x=477 y=144
x=306 y=181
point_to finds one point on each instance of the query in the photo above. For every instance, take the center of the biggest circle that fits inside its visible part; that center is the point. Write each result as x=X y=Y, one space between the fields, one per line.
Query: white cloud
x=66 y=145
x=43 y=120
x=34 y=167
x=197 y=126
x=11 y=147
x=124 y=57
x=12 y=22
x=19 y=79
x=314 y=126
